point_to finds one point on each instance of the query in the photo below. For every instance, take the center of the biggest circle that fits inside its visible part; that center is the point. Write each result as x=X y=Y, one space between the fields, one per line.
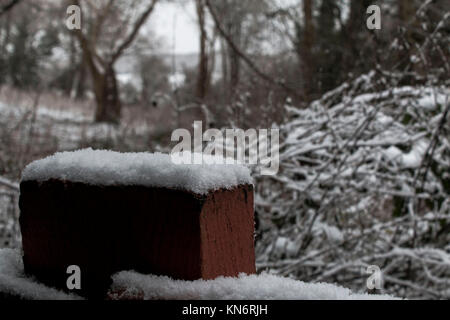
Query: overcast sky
x=176 y=25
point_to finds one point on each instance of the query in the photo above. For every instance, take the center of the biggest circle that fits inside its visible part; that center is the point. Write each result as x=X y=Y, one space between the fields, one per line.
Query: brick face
x=227 y=231
x=151 y=230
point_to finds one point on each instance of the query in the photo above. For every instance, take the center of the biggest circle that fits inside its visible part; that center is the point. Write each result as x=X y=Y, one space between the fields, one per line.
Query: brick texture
x=159 y=231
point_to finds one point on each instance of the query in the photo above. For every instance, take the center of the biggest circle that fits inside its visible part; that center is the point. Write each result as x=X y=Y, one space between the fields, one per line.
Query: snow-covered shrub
x=364 y=180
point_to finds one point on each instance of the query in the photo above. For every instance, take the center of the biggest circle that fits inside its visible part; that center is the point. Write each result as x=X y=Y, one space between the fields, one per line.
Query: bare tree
x=240 y=55
x=100 y=55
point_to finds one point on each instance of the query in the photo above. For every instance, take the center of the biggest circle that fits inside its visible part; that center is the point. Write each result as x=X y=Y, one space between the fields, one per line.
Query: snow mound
x=14 y=283
x=132 y=285
x=101 y=167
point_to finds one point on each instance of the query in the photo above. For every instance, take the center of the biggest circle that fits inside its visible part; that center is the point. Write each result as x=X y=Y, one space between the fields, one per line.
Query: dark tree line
x=320 y=44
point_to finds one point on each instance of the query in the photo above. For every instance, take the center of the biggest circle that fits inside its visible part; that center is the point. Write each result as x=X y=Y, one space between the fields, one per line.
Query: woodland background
x=363 y=114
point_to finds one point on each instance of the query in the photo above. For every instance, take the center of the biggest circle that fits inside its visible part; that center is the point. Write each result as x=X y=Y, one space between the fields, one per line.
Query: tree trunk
x=412 y=34
x=234 y=71
x=107 y=97
x=77 y=85
x=211 y=59
x=406 y=11
x=102 y=71
x=354 y=33
x=81 y=87
x=202 y=77
x=224 y=60
x=306 y=49
x=234 y=61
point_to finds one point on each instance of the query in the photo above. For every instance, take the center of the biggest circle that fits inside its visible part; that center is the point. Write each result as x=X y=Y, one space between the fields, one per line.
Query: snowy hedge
x=364 y=180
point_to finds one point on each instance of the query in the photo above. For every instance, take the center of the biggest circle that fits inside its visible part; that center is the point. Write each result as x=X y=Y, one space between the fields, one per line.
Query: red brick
x=151 y=230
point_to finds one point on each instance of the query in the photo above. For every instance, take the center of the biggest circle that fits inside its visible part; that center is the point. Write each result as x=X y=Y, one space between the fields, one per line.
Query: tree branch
x=90 y=53
x=246 y=59
x=101 y=19
x=12 y=185
x=128 y=40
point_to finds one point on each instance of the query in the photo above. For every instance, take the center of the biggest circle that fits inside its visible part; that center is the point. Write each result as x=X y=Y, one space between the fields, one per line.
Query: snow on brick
x=101 y=167
x=15 y=284
x=132 y=285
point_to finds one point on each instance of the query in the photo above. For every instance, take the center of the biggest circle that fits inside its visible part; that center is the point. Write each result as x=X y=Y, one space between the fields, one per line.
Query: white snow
x=412 y=159
x=246 y=287
x=134 y=285
x=43 y=112
x=331 y=232
x=13 y=281
x=286 y=246
x=425 y=97
x=101 y=167
x=9 y=184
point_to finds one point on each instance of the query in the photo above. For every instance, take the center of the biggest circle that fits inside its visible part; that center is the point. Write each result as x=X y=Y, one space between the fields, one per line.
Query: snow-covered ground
x=42 y=112
x=132 y=285
x=68 y=129
x=13 y=281
x=245 y=287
